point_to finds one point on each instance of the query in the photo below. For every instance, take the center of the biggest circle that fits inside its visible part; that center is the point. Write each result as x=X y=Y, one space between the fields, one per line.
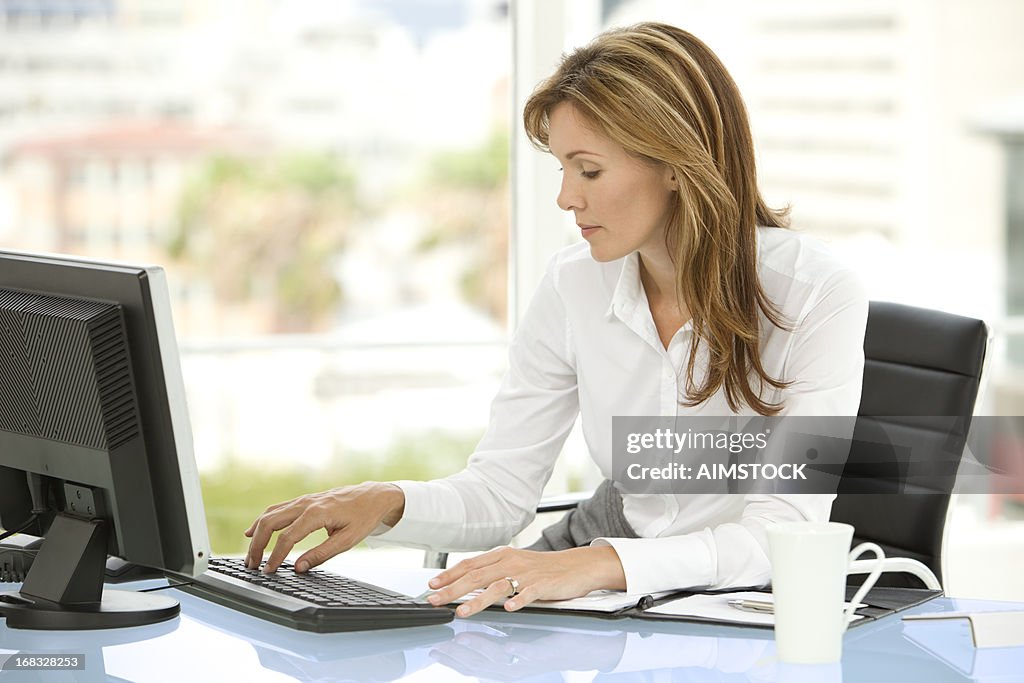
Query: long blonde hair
x=665 y=97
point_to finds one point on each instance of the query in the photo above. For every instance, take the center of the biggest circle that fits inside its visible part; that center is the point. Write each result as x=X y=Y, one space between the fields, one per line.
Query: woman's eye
x=589 y=175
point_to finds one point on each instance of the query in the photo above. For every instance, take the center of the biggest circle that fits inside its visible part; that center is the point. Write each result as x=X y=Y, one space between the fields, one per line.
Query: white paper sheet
x=717 y=607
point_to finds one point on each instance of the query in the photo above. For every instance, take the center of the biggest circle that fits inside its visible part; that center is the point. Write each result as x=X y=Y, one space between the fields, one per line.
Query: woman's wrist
x=393 y=499
x=606 y=567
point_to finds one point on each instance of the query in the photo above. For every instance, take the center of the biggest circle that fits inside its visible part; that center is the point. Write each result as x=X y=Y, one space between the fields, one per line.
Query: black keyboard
x=313 y=601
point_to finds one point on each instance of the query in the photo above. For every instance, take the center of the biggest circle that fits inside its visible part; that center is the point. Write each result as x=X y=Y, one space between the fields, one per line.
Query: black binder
x=879 y=602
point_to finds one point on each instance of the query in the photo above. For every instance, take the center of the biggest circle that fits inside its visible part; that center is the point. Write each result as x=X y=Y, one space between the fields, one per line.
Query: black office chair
x=921 y=364
x=922 y=372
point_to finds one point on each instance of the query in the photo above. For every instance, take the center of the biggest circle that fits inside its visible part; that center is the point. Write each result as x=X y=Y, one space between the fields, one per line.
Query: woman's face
x=621 y=203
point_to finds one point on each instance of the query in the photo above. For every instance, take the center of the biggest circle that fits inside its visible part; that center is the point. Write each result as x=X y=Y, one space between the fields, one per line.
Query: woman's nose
x=569 y=197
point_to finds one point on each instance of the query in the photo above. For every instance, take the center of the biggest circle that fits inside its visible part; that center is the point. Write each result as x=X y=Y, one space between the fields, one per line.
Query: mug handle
x=848 y=614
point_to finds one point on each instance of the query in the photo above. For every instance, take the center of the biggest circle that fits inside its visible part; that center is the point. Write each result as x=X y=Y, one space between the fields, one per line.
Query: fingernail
x=434 y=599
x=302 y=566
x=511 y=605
x=462 y=611
x=433 y=583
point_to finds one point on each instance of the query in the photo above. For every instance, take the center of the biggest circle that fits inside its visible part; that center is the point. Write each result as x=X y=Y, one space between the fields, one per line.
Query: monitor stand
x=64 y=587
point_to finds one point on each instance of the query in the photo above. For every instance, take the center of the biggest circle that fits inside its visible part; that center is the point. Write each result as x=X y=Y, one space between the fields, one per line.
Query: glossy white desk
x=211 y=643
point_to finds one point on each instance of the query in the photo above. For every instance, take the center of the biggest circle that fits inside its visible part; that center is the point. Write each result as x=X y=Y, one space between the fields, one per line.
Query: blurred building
x=344 y=76
x=112 y=189
x=861 y=110
x=101 y=98
x=863 y=116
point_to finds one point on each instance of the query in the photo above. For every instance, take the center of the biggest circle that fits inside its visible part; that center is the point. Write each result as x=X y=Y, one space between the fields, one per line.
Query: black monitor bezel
x=142 y=293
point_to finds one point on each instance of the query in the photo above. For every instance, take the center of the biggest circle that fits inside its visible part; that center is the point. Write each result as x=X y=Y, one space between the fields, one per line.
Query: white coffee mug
x=810 y=561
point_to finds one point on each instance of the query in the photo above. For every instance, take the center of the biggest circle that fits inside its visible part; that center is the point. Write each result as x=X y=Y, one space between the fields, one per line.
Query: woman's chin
x=603 y=254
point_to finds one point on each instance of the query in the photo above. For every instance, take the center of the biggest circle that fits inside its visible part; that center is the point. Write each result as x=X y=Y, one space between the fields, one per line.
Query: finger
x=455 y=573
x=339 y=540
x=335 y=544
x=526 y=595
x=264 y=528
x=467 y=583
x=271 y=508
x=496 y=592
x=307 y=523
x=266 y=525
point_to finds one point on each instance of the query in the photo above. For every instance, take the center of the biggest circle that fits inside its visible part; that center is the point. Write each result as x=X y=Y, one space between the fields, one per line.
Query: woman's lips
x=587 y=230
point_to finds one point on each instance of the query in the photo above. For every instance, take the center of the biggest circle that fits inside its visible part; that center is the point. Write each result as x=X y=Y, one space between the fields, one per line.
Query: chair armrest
x=433 y=559
x=567 y=501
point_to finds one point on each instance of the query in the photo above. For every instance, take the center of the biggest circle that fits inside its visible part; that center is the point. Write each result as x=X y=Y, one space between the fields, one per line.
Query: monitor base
x=118 y=609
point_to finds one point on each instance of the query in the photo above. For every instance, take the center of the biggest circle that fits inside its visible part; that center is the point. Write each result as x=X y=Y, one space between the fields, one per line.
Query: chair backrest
x=918 y=363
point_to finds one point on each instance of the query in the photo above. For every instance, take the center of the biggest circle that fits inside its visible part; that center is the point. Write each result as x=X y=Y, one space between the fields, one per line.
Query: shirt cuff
x=659 y=564
x=419 y=520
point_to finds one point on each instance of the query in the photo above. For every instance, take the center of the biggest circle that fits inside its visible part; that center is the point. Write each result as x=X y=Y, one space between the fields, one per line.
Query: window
x=327 y=187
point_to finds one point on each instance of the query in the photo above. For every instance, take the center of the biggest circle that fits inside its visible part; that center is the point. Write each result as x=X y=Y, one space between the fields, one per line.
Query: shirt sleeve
x=496 y=495
x=826 y=366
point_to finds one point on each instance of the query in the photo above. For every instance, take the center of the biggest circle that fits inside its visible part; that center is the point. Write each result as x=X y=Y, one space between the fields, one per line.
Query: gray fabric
x=599 y=516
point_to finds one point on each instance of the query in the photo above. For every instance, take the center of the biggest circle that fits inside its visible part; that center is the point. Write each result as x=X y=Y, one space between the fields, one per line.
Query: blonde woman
x=687 y=296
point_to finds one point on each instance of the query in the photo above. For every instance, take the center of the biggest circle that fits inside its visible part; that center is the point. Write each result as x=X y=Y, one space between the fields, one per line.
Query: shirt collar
x=629 y=302
x=629 y=292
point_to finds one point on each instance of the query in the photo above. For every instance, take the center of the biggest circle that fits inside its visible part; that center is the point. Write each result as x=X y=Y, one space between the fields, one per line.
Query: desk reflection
x=370 y=656
x=512 y=648
x=503 y=651
x=508 y=653
x=227 y=645
x=90 y=644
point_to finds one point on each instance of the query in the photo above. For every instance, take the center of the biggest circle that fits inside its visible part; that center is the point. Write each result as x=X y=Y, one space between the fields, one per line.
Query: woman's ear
x=670 y=179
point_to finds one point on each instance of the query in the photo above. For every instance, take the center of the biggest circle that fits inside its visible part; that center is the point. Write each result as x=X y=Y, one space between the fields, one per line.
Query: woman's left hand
x=558 y=575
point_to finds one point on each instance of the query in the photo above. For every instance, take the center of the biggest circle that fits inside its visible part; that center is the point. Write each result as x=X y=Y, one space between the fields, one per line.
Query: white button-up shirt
x=588 y=346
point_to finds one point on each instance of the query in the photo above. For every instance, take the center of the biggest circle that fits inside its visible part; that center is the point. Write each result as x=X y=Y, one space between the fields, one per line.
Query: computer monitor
x=95 y=444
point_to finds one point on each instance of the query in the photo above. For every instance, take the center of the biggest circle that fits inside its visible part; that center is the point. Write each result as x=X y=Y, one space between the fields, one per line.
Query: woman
x=688 y=297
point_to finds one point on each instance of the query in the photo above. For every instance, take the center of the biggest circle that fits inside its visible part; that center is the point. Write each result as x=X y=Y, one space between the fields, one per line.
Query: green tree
x=264 y=232
x=466 y=194
x=237 y=492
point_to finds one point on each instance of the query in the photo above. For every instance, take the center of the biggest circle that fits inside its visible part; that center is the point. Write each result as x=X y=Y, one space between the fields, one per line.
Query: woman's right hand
x=348 y=514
